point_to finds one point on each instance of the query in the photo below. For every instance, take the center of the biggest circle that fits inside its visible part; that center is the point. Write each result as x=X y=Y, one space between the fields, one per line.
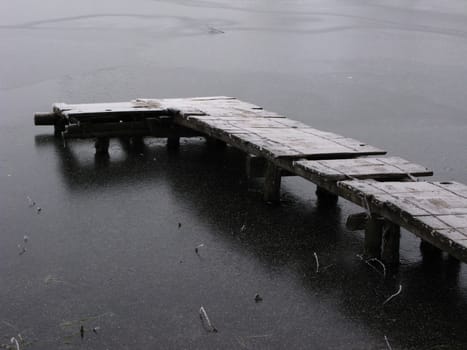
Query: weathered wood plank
x=428 y=209
x=360 y=168
x=271 y=140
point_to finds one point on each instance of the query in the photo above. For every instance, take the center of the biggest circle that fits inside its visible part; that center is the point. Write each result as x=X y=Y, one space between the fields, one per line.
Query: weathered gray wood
x=254 y=166
x=45 y=118
x=429 y=251
x=373 y=237
x=391 y=242
x=102 y=145
x=276 y=141
x=272 y=183
x=435 y=211
x=173 y=143
x=431 y=210
x=59 y=126
x=326 y=196
x=360 y=168
x=356 y=222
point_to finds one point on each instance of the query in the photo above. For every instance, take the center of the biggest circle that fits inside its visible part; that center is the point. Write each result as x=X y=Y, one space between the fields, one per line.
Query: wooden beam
x=357 y=222
x=391 y=243
x=373 y=237
x=102 y=145
x=272 y=183
x=173 y=143
x=325 y=196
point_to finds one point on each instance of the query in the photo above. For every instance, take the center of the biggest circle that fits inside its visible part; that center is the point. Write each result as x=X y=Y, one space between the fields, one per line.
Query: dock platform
x=388 y=188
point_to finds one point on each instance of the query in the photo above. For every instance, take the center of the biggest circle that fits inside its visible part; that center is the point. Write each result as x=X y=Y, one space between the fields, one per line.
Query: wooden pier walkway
x=386 y=187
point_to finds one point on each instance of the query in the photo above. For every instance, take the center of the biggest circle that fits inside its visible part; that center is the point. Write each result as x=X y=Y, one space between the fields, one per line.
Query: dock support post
x=391 y=243
x=102 y=145
x=59 y=127
x=138 y=143
x=325 y=196
x=272 y=183
x=173 y=143
x=215 y=144
x=373 y=237
x=429 y=251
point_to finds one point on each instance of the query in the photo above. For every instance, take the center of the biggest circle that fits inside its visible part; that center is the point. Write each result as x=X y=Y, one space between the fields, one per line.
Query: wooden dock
x=387 y=188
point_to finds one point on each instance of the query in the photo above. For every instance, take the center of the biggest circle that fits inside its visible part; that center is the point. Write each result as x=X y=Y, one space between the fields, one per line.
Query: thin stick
x=387 y=343
x=14 y=341
x=379 y=262
x=204 y=317
x=317 y=262
x=394 y=295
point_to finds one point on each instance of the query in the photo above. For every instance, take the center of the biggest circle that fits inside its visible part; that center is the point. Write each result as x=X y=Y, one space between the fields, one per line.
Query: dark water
x=107 y=251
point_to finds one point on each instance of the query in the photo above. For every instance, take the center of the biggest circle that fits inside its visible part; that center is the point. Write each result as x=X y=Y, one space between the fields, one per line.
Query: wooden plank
x=360 y=168
x=268 y=138
x=428 y=209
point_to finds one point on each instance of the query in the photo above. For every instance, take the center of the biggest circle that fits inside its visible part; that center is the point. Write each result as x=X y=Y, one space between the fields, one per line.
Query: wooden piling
x=429 y=251
x=173 y=143
x=102 y=145
x=272 y=183
x=373 y=237
x=357 y=221
x=391 y=243
x=59 y=127
x=325 y=196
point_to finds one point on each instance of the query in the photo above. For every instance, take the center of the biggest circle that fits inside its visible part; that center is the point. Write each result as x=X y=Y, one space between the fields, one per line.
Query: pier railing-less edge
x=387 y=188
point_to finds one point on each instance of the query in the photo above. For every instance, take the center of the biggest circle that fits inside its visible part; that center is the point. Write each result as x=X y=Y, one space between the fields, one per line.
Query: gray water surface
x=107 y=249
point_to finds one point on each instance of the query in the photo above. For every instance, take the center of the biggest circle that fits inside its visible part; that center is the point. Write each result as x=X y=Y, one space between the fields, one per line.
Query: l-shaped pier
x=388 y=188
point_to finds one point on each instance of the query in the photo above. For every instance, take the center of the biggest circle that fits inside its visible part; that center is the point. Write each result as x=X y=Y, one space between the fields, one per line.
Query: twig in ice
x=206 y=321
x=387 y=343
x=243 y=228
x=197 y=248
x=22 y=249
x=38 y=209
x=31 y=203
x=317 y=261
x=394 y=295
x=14 y=341
x=379 y=262
x=213 y=30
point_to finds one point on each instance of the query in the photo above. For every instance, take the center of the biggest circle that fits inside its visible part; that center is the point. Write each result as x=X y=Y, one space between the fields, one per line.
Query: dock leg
x=325 y=196
x=373 y=237
x=254 y=166
x=173 y=143
x=59 y=127
x=138 y=143
x=102 y=145
x=272 y=183
x=215 y=144
x=429 y=251
x=391 y=242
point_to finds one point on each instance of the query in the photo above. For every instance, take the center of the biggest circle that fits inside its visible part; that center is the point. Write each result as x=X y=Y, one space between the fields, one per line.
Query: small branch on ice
x=317 y=262
x=206 y=321
x=394 y=295
x=387 y=343
x=14 y=341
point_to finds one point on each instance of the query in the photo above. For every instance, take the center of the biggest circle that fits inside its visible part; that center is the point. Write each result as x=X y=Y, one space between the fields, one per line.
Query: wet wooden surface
x=360 y=168
x=241 y=124
x=435 y=211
